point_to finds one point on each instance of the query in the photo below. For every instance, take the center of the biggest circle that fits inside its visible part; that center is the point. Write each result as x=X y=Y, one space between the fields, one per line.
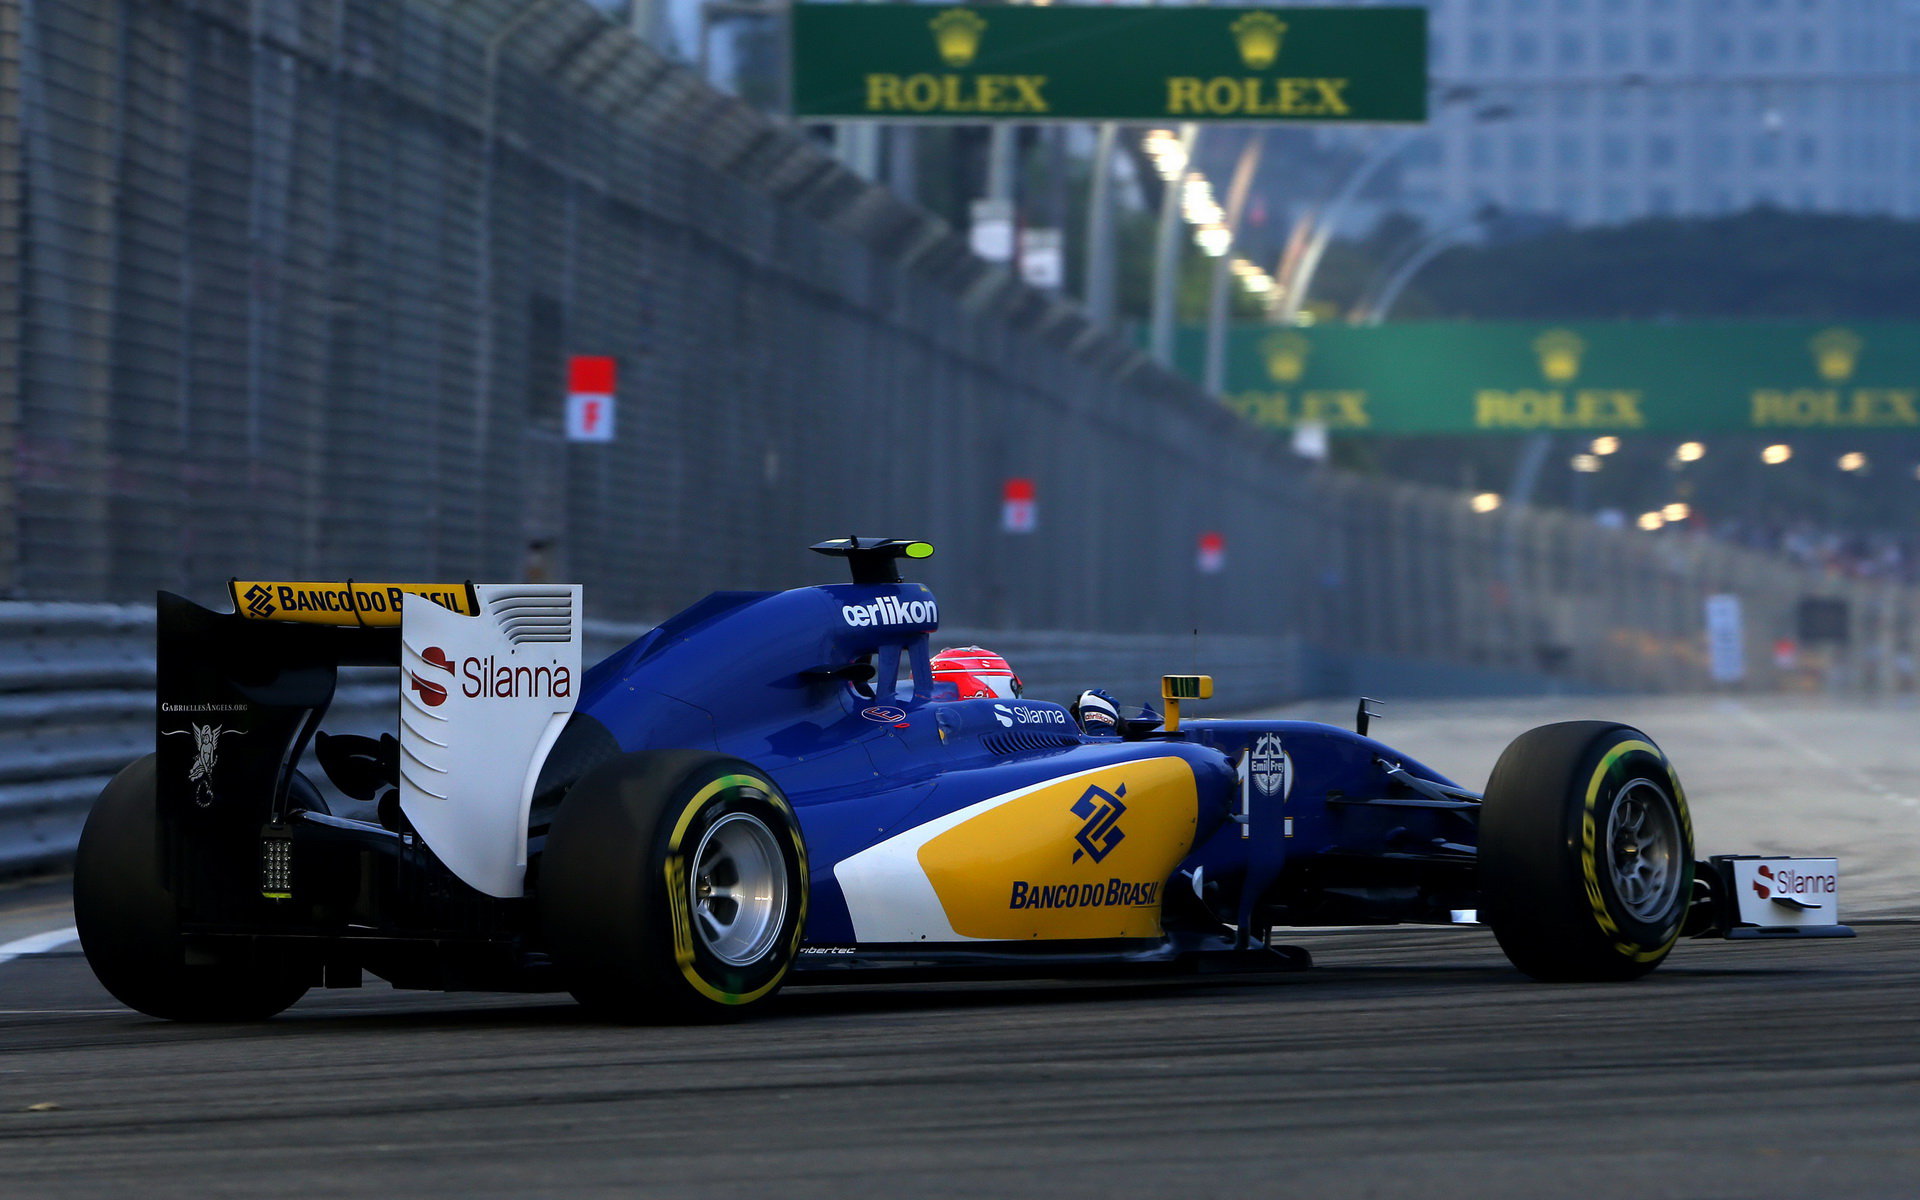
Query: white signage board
x=589 y=417
x=1042 y=258
x=990 y=233
x=1726 y=639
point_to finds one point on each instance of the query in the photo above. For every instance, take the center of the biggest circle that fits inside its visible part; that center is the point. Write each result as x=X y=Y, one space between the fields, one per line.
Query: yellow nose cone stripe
x=1087 y=857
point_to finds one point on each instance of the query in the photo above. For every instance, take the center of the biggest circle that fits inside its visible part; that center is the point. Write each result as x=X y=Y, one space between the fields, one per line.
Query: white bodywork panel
x=1777 y=892
x=888 y=894
x=482 y=699
x=889 y=897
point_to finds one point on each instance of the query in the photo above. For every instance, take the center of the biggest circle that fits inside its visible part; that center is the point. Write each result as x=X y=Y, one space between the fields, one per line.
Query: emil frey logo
x=884 y=714
x=1271 y=767
x=1103 y=811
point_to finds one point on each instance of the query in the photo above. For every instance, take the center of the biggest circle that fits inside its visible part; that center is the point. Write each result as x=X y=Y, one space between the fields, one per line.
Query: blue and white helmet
x=1097 y=712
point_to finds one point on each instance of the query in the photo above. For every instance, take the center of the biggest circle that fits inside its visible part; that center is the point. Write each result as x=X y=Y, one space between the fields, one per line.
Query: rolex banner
x=1615 y=377
x=901 y=62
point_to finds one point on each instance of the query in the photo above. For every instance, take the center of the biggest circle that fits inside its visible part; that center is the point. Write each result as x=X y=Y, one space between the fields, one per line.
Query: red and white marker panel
x=590 y=398
x=1017 y=511
x=1213 y=553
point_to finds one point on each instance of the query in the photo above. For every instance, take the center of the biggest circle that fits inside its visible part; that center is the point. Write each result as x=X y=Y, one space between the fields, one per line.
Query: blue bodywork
x=774 y=678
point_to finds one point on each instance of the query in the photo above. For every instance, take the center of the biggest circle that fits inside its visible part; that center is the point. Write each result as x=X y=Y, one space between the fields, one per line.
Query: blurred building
x=1600 y=111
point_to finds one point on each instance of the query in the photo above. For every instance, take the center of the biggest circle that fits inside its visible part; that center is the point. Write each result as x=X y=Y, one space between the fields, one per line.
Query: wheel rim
x=739 y=889
x=1643 y=850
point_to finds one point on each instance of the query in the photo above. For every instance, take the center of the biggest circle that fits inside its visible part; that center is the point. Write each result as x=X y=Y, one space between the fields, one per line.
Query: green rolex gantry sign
x=1618 y=377
x=900 y=62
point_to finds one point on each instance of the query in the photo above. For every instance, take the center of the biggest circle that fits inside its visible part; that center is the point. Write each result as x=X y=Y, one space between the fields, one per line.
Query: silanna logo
x=1010 y=715
x=1103 y=811
x=490 y=679
x=432 y=692
x=891 y=610
x=1792 y=887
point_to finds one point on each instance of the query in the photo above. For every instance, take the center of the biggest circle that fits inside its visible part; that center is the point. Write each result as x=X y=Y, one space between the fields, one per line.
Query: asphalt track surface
x=1406 y=1064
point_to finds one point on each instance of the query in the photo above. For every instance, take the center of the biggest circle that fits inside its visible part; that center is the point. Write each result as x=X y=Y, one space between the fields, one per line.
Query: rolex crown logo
x=1559 y=351
x=1835 y=353
x=1259 y=35
x=1286 y=355
x=956 y=32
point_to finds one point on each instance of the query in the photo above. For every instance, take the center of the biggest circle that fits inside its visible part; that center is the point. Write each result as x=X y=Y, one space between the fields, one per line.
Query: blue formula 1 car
x=773 y=787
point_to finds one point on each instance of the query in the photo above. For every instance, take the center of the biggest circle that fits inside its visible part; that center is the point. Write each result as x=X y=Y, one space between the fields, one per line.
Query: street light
x=1676 y=512
x=1099 y=286
x=1853 y=461
x=1606 y=445
x=1485 y=502
x=1379 y=298
x=1776 y=454
x=1650 y=521
x=1586 y=464
x=1214 y=369
x=1175 y=151
x=1690 y=452
x=1315 y=229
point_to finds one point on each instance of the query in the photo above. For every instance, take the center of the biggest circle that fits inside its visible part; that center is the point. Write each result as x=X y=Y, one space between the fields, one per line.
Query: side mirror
x=1175 y=688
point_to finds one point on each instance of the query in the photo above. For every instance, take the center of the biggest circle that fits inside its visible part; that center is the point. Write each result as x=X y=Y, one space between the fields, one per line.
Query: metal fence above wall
x=301 y=276
x=296 y=280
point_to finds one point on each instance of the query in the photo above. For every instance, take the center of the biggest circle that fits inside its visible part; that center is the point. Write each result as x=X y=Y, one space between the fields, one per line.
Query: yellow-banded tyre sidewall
x=710 y=977
x=1637 y=765
x=1557 y=848
x=620 y=887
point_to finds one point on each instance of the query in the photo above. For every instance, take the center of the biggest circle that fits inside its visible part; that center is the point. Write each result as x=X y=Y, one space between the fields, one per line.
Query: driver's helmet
x=976 y=672
x=1097 y=712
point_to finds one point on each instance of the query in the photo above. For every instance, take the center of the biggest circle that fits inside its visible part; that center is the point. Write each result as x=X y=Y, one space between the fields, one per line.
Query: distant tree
x=1762 y=263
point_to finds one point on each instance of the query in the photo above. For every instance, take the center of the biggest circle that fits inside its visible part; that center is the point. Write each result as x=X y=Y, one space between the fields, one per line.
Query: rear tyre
x=673 y=887
x=1586 y=853
x=129 y=926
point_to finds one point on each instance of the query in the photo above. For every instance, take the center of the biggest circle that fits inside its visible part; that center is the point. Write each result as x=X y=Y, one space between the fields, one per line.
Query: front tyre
x=673 y=887
x=1586 y=852
x=129 y=926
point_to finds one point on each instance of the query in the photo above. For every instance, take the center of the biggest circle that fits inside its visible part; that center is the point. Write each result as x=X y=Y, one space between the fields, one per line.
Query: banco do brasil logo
x=1103 y=811
x=259 y=601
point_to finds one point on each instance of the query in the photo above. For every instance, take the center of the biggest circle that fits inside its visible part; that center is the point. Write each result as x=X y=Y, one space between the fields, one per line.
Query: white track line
x=39 y=943
x=1816 y=755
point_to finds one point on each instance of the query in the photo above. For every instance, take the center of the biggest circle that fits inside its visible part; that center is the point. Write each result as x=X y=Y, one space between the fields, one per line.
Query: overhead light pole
x=1378 y=299
x=1213 y=374
x=1098 y=291
x=1166 y=249
x=1316 y=227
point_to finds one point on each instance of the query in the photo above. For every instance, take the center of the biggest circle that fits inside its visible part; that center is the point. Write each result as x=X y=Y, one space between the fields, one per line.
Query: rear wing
x=351 y=603
x=488 y=675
